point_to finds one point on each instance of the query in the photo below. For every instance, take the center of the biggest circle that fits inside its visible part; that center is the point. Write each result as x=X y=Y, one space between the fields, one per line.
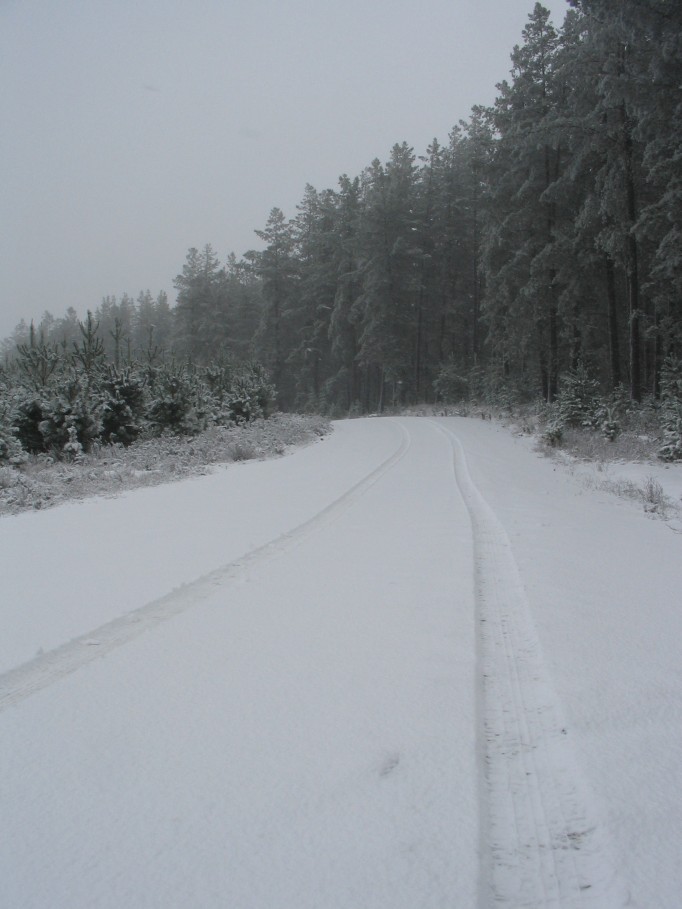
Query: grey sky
x=134 y=129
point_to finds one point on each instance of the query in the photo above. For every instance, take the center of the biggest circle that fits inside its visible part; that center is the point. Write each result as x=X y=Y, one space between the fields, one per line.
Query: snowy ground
x=42 y=482
x=413 y=665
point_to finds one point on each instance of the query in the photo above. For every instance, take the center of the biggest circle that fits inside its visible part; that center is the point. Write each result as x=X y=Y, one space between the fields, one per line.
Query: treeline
x=61 y=399
x=543 y=238
x=128 y=330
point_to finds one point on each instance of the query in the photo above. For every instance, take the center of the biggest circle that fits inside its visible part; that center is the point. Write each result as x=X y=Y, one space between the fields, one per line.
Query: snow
x=414 y=664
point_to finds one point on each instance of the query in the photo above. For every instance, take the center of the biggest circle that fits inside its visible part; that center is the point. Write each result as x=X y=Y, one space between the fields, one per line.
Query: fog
x=132 y=131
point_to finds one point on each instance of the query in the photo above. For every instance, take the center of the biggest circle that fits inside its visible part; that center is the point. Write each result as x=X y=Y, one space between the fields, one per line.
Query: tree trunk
x=380 y=407
x=612 y=309
x=553 y=359
x=418 y=345
x=658 y=359
x=475 y=339
x=553 y=365
x=634 y=302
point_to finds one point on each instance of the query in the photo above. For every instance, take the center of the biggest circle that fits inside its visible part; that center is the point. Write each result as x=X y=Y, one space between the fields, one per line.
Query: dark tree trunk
x=612 y=311
x=553 y=351
x=634 y=302
x=553 y=364
x=475 y=339
x=418 y=345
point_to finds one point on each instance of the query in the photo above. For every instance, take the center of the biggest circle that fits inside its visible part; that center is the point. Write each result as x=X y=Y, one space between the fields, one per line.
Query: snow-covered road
x=412 y=665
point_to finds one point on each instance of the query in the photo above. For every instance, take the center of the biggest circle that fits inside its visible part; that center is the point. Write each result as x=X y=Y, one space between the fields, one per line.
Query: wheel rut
x=22 y=681
x=543 y=844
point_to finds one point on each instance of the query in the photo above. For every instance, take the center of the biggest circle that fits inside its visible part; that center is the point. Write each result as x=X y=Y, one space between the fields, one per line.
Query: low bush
x=42 y=480
x=671 y=410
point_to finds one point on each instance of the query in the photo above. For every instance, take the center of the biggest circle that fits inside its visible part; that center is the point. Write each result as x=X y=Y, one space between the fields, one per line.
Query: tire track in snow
x=22 y=681
x=543 y=845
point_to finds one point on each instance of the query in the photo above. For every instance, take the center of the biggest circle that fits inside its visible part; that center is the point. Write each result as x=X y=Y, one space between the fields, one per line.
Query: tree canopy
x=545 y=234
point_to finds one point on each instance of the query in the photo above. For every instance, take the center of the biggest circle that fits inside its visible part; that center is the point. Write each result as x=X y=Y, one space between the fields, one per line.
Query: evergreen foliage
x=671 y=410
x=11 y=451
x=578 y=402
x=545 y=234
x=122 y=395
x=71 y=413
x=60 y=401
x=449 y=385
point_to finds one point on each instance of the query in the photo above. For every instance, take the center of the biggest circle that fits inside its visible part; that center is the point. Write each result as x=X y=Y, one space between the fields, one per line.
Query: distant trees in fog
x=543 y=237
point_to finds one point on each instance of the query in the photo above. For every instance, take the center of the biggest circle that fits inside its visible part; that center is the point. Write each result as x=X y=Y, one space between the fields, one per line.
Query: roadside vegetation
x=544 y=232
x=72 y=423
x=108 y=469
x=528 y=267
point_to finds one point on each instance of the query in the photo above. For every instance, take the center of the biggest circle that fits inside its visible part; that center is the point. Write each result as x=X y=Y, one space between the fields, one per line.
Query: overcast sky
x=132 y=130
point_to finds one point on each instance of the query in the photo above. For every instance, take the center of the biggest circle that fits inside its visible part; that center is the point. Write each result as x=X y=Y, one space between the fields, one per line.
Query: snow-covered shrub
x=44 y=480
x=251 y=394
x=37 y=362
x=613 y=414
x=217 y=378
x=240 y=405
x=11 y=451
x=450 y=386
x=72 y=405
x=578 y=401
x=553 y=432
x=72 y=450
x=170 y=399
x=242 y=451
x=204 y=409
x=671 y=410
x=122 y=394
x=653 y=496
x=609 y=422
x=7 y=478
x=29 y=413
x=180 y=401
x=88 y=356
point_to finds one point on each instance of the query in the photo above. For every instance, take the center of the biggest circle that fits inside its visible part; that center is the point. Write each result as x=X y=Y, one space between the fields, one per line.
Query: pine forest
x=534 y=256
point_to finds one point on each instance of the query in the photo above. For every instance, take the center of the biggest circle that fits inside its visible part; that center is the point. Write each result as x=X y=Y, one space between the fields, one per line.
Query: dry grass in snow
x=42 y=482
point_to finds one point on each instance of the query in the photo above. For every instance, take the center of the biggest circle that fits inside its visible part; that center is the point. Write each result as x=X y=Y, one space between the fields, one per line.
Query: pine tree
x=277 y=268
x=344 y=383
x=37 y=361
x=387 y=308
x=202 y=310
x=521 y=267
x=671 y=410
x=246 y=305
x=310 y=359
x=88 y=353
